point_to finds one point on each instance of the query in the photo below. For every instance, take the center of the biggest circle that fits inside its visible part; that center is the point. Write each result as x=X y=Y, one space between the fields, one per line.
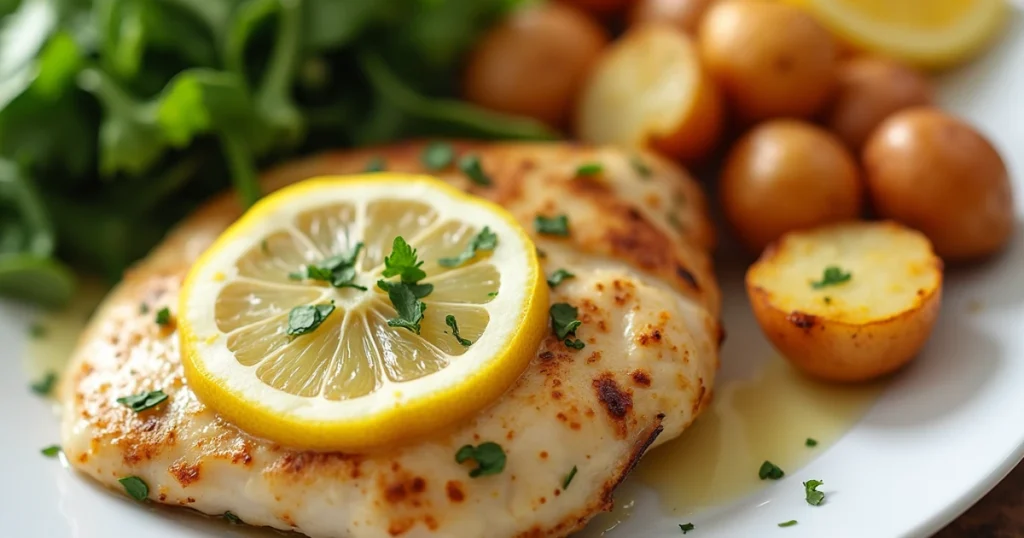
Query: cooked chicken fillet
x=649 y=305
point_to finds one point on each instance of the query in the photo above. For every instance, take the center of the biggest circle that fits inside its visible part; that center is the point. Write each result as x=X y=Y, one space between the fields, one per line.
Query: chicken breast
x=649 y=305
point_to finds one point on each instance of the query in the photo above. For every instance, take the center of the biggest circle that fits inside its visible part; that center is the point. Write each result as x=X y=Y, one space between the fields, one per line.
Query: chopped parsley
x=143 y=309
x=375 y=164
x=489 y=458
x=437 y=156
x=640 y=167
x=163 y=317
x=686 y=527
x=811 y=442
x=449 y=320
x=144 y=400
x=558 y=276
x=568 y=478
x=304 y=319
x=339 y=271
x=589 y=169
x=814 y=497
x=770 y=470
x=492 y=294
x=135 y=487
x=403 y=261
x=564 y=323
x=832 y=276
x=232 y=518
x=408 y=306
x=789 y=523
x=485 y=240
x=470 y=165
x=552 y=225
x=36 y=330
x=51 y=451
x=827 y=299
x=44 y=386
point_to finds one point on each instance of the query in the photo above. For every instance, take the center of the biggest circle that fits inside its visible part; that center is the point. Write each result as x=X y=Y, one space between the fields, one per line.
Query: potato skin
x=935 y=173
x=534 y=62
x=841 y=339
x=870 y=89
x=770 y=59
x=837 y=351
x=699 y=133
x=682 y=14
x=786 y=175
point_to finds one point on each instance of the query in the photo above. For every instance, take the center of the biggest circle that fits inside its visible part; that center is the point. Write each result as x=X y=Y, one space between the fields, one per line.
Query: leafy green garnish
x=376 y=164
x=576 y=343
x=44 y=386
x=813 y=496
x=304 y=319
x=407 y=305
x=640 y=167
x=589 y=169
x=558 y=225
x=489 y=458
x=339 y=271
x=770 y=470
x=686 y=527
x=485 y=240
x=470 y=165
x=135 y=487
x=163 y=316
x=144 y=400
x=811 y=442
x=449 y=320
x=564 y=324
x=568 y=478
x=789 y=523
x=232 y=518
x=403 y=261
x=832 y=276
x=492 y=294
x=437 y=156
x=558 y=276
x=37 y=330
x=51 y=451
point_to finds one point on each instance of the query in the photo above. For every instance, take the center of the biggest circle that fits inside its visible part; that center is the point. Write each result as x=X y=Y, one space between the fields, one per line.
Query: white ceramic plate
x=941 y=435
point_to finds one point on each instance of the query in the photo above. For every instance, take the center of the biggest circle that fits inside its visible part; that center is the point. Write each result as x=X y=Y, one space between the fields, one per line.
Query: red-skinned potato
x=534 y=62
x=770 y=59
x=649 y=90
x=683 y=14
x=787 y=175
x=870 y=89
x=933 y=172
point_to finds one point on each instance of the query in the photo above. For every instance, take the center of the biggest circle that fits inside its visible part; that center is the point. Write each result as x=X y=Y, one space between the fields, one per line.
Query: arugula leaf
x=449 y=320
x=305 y=319
x=135 y=487
x=489 y=457
x=143 y=401
x=437 y=156
x=813 y=496
x=44 y=386
x=832 y=276
x=558 y=276
x=470 y=165
x=51 y=451
x=485 y=240
x=403 y=261
x=568 y=478
x=409 y=308
x=552 y=225
x=770 y=470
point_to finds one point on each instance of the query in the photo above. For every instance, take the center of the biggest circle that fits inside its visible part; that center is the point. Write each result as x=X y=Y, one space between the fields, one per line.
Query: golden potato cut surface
x=848 y=302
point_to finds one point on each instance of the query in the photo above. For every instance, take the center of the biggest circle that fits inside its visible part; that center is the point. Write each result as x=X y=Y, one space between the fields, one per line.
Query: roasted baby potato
x=770 y=59
x=787 y=175
x=937 y=174
x=534 y=62
x=650 y=90
x=683 y=14
x=871 y=88
x=848 y=302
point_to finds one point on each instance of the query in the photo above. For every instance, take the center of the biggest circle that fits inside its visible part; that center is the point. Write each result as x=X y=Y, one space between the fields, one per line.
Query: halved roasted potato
x=848 y=302
x=649 y=89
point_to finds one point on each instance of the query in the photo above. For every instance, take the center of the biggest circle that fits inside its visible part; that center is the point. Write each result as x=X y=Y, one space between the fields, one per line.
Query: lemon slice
x=345 y=378
x=927 y=33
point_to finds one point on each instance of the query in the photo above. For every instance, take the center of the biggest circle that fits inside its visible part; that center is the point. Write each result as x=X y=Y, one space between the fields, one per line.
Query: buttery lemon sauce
x=767 y=417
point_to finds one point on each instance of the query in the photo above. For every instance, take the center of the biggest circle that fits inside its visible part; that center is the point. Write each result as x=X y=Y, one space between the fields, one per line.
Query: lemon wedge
x=927 y=33
x=357 y=312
